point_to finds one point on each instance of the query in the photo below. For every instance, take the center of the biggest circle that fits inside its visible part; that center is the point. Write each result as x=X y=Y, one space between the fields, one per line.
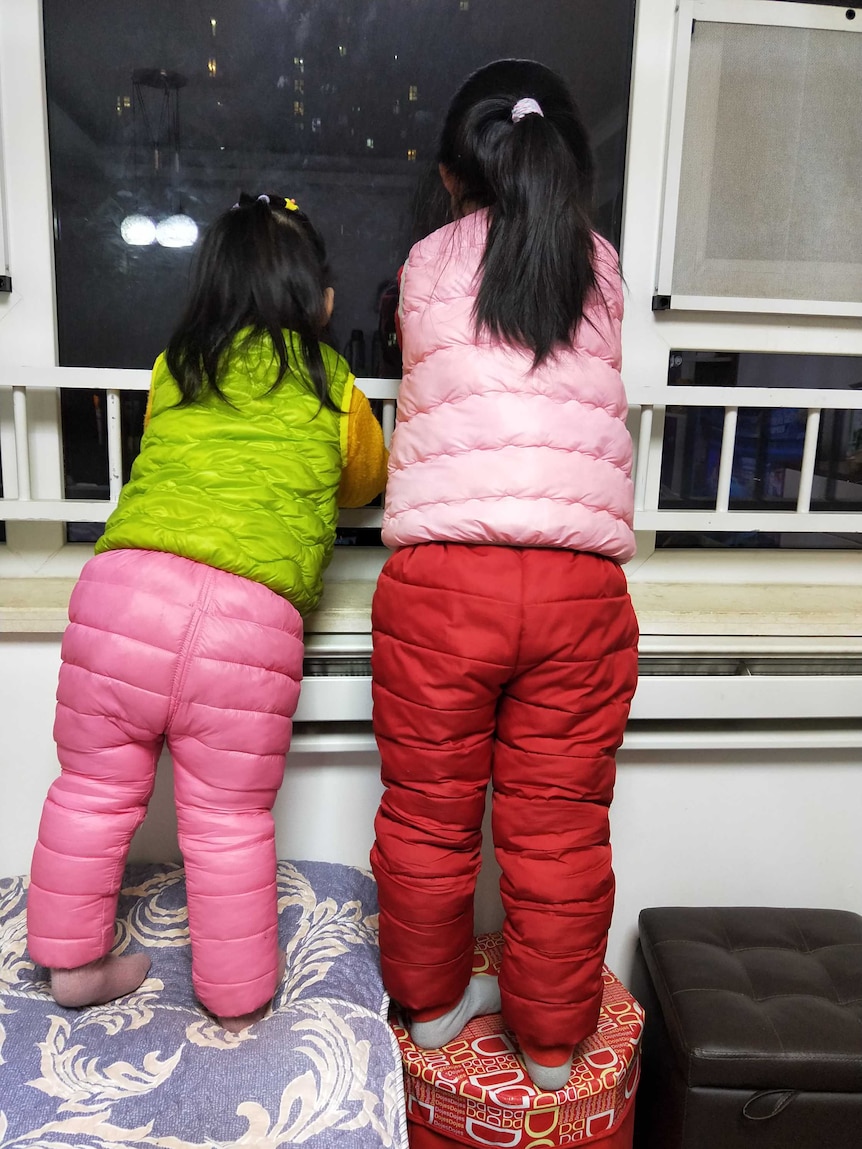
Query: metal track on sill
x=653 y=666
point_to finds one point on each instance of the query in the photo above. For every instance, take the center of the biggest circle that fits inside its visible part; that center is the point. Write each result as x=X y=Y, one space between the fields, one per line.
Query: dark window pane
x=160 y=110
x=166 y=110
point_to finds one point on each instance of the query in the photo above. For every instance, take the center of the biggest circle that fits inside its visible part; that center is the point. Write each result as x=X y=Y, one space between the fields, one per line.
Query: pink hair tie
x=526 y=107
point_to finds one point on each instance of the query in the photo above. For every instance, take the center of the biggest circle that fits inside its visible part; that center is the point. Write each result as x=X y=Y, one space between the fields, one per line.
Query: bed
x=154 y=1069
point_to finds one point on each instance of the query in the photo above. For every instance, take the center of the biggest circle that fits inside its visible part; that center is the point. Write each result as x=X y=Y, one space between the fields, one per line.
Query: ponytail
x=534 y=174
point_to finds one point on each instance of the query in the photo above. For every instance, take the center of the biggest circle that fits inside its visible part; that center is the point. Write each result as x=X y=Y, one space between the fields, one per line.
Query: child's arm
x=365 y=456
x=149 y=409
x=152 y=392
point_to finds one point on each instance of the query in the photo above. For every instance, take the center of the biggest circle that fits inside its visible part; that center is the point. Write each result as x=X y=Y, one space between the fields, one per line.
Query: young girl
x=504 y=637
x=187 y=626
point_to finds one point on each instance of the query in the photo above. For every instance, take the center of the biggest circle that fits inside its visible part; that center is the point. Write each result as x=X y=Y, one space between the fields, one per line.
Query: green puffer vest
x=249 y=488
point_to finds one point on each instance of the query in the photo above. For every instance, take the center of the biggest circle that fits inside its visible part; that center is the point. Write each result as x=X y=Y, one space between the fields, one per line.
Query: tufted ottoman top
x=760 y=998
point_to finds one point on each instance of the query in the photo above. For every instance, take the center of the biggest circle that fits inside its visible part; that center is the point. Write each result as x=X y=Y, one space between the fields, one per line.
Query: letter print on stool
x=475 y=1087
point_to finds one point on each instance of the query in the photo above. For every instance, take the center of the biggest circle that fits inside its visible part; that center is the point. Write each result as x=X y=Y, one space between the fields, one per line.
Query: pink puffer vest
x=487 y=450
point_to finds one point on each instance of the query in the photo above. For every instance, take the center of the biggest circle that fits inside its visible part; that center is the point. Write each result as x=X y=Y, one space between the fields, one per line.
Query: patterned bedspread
x=153 y=1069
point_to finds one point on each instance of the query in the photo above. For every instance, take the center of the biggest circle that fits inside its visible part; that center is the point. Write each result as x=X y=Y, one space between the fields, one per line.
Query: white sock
x=481 y=996
x=548 y=1077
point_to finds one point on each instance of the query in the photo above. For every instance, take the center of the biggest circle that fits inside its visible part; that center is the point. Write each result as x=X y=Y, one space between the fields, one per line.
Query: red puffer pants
x=515 y=666
x=161 y=647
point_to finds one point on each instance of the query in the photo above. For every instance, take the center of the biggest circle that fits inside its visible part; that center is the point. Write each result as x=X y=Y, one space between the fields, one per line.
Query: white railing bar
x=642 y=461
x=55 y=510
x=360 y=517
x=773 y=522
x=115 y=445
x=794 y=398
x=121 y=379
x=22 y=441
x=86 y=378
x=809 y=458
x=379 y=388
x=98 y=510
x=8 y=468
x=725 y=463
x=125 y=379
x=388 y=420
x=791 y=522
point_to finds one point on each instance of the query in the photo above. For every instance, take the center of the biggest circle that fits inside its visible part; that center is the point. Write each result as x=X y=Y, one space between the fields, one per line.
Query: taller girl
x=505 y=643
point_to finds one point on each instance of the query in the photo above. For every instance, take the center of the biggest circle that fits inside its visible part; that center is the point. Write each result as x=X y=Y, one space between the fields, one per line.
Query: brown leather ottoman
x=753 y=1029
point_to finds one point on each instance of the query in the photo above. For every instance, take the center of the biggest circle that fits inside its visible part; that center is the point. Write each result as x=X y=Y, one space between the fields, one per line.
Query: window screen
x=769 y=204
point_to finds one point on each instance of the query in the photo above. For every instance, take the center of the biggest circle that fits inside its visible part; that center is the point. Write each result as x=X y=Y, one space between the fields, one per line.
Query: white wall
x=689 y=828
x=324 y=812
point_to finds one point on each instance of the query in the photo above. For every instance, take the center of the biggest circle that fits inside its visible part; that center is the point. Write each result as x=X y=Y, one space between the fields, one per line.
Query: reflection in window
x=364 y=170
x=768 y=450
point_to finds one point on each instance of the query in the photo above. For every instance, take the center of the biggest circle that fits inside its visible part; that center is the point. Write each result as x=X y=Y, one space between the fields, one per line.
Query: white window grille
x=650 y=516
x=19 y=504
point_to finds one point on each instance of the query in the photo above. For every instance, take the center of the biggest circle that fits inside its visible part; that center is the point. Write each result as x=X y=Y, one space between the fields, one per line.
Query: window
x=762 y=211
x=208 y=125
x=116 y=304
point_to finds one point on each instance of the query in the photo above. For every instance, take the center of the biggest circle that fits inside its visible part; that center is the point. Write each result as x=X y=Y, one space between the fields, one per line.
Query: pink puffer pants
x=163 y=648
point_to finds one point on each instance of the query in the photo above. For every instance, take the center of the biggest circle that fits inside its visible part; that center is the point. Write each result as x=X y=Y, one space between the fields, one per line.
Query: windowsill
x=39 y=606
x=707 y=610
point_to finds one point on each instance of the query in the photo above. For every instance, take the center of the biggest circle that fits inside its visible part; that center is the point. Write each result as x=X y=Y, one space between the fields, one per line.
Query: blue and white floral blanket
x=153 y=1069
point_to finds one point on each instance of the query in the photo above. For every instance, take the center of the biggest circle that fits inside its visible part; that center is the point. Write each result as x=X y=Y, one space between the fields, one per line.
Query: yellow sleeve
x=149 y=409
x=152 y=393
x=365 y=457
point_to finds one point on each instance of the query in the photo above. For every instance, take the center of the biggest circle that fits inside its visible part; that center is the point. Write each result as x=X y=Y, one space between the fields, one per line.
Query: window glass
x=768 y=450
x=159 y=114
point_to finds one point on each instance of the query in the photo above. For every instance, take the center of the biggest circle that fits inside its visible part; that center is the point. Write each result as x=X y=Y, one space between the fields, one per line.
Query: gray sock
x=481 y=996
x=548 y=1077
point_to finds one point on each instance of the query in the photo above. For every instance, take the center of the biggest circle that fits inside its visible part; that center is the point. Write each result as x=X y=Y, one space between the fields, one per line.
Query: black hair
x=262 y=266
x=536 y=178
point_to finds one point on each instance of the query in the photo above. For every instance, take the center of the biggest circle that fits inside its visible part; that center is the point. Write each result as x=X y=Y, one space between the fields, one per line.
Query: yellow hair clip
x=291 y=205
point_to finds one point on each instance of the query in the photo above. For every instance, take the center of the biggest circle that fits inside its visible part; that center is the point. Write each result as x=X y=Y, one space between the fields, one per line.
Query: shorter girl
x=186 y=627
x=505 y=644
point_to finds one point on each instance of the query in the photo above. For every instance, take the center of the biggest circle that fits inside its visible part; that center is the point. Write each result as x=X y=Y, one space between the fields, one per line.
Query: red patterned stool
x=474 y=1091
